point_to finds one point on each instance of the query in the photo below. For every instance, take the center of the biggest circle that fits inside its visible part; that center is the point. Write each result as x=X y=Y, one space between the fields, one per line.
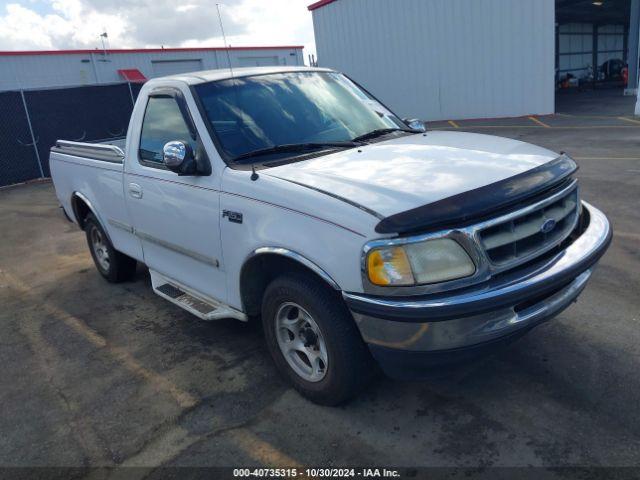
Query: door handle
x=135 y=190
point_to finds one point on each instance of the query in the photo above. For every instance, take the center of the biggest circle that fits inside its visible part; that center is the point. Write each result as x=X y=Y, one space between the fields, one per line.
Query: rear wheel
x=114 y=266
x=314 y=340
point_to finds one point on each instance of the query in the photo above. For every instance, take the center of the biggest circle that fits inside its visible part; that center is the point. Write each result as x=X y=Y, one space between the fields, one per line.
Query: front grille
x=523 y=237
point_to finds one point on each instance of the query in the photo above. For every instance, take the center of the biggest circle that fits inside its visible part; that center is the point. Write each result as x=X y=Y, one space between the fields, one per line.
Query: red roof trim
x=320 y=4
x=132 y=75
x=144 y=50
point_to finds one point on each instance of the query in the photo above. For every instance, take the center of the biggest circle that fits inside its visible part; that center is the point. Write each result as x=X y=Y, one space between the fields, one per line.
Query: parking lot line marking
x=261 y=450
x=542 y=124
x=163 y=448
x=584 y=116
x=176 y=440
x=637 y=122
x=184 y=399
x=453 y=124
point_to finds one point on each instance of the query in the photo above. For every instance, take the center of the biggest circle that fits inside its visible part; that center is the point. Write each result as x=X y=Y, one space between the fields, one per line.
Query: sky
x=77 y=24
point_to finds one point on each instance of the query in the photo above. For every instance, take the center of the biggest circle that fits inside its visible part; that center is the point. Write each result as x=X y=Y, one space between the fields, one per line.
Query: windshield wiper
x=380 y=132
x=294 y=148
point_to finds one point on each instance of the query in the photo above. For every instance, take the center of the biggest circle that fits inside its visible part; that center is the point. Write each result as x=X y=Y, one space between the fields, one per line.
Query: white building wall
x=72 y=69
x=444 y=59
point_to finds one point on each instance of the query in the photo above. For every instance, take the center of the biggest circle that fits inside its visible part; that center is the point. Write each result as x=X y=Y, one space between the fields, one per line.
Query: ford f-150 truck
x=295 y=196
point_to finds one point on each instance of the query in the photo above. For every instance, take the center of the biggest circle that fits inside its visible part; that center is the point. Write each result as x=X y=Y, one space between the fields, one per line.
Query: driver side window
x=163 y=122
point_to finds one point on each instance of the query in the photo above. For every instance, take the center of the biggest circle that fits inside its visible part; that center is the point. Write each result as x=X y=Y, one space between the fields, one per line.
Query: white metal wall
x=45 y=70
x=162 y=68
x=444 y=59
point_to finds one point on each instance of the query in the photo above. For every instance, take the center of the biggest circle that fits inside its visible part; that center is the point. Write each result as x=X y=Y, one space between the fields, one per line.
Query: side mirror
x=415 y=124
x=178 y=157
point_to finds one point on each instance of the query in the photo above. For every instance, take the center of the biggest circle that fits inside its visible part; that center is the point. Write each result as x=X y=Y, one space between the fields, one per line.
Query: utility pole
x=104 y=35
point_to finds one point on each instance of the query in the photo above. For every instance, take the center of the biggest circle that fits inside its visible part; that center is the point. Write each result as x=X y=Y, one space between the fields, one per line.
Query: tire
x=114 y=266
x=348 y=365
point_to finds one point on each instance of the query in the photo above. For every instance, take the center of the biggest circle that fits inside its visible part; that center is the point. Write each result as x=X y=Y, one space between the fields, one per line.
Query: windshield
x=249 y=114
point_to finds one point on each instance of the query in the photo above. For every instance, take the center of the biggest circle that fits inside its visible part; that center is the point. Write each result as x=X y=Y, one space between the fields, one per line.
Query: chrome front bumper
x=487 y=312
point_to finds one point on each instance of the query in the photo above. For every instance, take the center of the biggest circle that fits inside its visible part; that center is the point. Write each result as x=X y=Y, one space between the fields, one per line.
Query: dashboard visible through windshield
x=257 y=113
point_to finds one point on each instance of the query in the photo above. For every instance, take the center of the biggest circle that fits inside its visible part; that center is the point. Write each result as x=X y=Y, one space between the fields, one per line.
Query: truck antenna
x=224 y=38
x=254 y=174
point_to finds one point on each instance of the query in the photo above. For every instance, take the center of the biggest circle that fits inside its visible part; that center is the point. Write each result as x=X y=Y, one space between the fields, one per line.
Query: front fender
x=301 y=259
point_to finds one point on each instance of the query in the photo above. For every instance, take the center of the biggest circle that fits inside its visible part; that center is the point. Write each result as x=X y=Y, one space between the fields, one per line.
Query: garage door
x=258 y=61
x=172 y=67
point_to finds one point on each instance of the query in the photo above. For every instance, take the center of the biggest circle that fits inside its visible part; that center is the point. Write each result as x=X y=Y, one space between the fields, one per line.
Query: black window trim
x=178 y=96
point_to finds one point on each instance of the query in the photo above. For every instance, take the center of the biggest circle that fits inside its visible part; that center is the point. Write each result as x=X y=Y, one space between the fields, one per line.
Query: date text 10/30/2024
x=315 y=473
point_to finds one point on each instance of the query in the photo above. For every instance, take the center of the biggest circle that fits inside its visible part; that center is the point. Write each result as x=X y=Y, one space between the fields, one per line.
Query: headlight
x=430 y=261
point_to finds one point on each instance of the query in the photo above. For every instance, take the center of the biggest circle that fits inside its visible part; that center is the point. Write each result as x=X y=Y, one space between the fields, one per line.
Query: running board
x=205 y=309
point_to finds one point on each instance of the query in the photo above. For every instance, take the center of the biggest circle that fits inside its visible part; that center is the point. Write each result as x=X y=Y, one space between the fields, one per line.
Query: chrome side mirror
x=415 y=124
x=178 y=157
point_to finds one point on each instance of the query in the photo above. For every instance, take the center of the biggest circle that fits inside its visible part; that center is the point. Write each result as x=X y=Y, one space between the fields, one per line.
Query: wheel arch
x=81 y=207
x=264 y=264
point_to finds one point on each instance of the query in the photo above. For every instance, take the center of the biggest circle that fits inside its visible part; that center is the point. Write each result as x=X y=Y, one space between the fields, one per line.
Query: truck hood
x=407 y=172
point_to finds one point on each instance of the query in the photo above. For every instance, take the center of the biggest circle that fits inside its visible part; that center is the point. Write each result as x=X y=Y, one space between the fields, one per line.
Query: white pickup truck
x=293 y=195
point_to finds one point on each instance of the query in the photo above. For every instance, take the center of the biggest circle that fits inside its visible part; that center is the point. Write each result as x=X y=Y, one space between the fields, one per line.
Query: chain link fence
x=33 y=120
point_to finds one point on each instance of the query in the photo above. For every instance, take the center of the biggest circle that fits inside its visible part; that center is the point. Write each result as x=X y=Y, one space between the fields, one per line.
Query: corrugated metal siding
x=162 y=68
x=444 y=59
x=575 y=47
x=610 y=43
x=44 y=71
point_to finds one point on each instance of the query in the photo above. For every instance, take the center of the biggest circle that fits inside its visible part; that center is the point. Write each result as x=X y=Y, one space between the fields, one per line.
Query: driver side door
x=177 y=218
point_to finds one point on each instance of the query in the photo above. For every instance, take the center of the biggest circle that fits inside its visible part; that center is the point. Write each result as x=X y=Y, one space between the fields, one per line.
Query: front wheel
x=314 y=340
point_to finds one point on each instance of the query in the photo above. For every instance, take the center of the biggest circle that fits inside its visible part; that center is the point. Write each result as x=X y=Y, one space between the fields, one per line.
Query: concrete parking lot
x=95 y=374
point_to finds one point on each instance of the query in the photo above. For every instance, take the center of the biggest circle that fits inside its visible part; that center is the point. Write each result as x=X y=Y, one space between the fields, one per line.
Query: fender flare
x=88 y=203
x=285 y=252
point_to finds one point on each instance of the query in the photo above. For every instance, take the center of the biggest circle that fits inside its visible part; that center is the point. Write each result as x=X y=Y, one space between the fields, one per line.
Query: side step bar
x=206 y=309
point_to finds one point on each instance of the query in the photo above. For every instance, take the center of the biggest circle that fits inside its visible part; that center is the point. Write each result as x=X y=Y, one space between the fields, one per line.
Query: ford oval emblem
x=548 y=226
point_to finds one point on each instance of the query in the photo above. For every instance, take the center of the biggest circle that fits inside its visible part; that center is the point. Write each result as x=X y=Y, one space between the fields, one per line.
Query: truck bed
x=89 y=176
x=108 y=151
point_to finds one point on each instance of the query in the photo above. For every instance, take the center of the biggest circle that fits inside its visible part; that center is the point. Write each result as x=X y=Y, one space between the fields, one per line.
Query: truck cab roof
x=195 y=78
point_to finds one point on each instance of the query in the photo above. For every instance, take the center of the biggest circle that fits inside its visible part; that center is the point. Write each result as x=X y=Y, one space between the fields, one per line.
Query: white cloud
x=65 y=24
x=68 y=26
